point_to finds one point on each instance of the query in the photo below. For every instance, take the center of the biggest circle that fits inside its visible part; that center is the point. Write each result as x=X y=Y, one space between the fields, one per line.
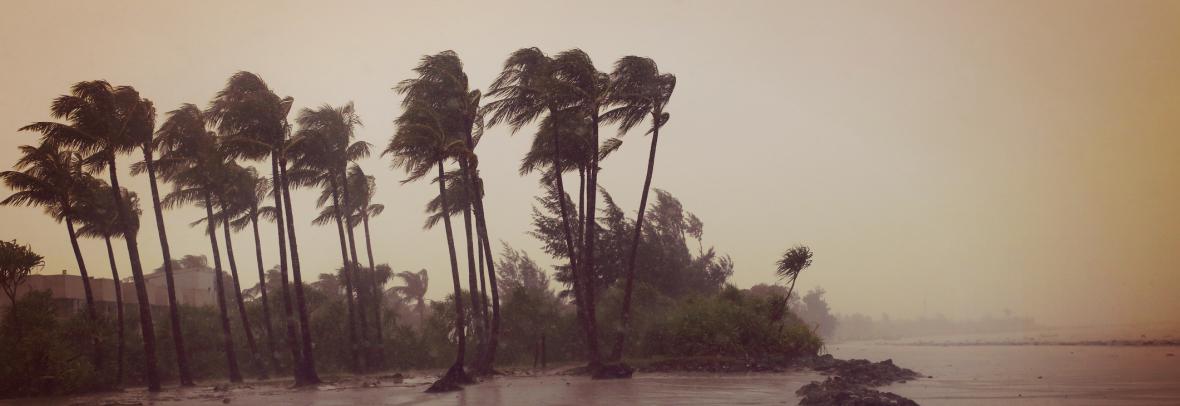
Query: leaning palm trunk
x=480 y=327
x=483 y=283
x=587 y=271
x=455 y=373
x=270 y=339
x=118 y=311
x=579 y=282
x=288 y=313
x=91 y=313
x=375 y=295
x=186 y=375
x=145 y=314
x=309 y=374
x=361 y=294
x=475 y=191
x=233 y=271
x=227 y=338
x=625 y=324
x=354 y=352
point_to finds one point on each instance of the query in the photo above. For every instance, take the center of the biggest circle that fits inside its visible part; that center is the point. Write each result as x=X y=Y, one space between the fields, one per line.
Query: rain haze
x=957 y=158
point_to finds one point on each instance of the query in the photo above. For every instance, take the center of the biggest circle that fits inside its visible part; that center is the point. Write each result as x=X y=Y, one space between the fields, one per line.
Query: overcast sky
x=955 y=157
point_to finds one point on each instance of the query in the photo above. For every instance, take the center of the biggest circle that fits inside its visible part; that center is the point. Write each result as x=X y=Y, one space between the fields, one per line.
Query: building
x=193 y=277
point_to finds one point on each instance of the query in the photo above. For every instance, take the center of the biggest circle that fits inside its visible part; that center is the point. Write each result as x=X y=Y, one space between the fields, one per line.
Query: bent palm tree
x=323 y=149
x=792 y=263
x=191 y=161
x=253 y=121
x=415 y=287
x=51 y=178
x=638 y=89
x=106 y=121
x=425 y=139
x=251 y=193
x=100 y=219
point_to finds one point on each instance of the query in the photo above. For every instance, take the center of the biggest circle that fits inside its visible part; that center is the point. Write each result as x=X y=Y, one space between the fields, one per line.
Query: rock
x=225 y=400
x=863 y=372
x=614 y=371
x=451 y=381
x=836 y=391
x=221 y=388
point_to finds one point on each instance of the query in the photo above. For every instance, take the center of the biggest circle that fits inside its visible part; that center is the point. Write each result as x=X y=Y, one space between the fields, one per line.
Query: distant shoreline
x=1087 y=343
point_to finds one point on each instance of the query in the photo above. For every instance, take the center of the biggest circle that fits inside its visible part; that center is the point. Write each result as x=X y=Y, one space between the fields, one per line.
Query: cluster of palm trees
x=442 y=122
x=203 y=154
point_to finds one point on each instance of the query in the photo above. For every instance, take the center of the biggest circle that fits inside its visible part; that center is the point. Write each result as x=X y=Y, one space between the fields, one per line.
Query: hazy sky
x=954 y=157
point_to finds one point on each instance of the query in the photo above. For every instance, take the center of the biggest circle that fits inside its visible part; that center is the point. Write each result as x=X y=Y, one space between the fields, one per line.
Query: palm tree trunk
x=119 y=347
x=309 y=374
x=588 y=272
x=151 y=371
x=288 y=313
x=91 y=312
x=483 y=283
x=579 y=282
x=227 y=338
x=270 y=339
x=377 y=295
x=471 y=172
x=625 y=325
x=472 y=278
x=581 y=204
x=233 y=271
x=460 y=328
x=358 y=281
x=354 y=354
x=186 y=375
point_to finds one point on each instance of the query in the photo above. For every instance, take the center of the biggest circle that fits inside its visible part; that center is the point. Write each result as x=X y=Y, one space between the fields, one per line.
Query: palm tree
x=324 y=148
x=638 y=90
x=531 y=85
x=365 y=186
x=191 y=161
x=253 y=121
x=415 y=287
x=251 y=193
x=792 y=263
x=147 y=145
x=442 y=86
x=234 y=193
x=100 y=219
x=425 y=139
x=105 y=121
x=51 y=178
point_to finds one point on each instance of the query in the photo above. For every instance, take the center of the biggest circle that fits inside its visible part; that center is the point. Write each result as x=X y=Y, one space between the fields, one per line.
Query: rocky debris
x=221 y=388
x=836 y=391
x=614 y=371
x=851 y=383
x=863 y=372
x=370 y=383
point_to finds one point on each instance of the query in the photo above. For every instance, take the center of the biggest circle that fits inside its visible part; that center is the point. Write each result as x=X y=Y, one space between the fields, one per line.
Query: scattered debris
x=836 y=391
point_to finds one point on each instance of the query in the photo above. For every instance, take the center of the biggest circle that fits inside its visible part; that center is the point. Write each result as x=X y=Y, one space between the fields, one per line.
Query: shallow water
x=962 y=375
x=1030 y=374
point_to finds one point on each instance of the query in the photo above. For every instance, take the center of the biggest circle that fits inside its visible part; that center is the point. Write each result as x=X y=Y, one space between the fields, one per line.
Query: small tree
x=793 y=262
x=16 y=262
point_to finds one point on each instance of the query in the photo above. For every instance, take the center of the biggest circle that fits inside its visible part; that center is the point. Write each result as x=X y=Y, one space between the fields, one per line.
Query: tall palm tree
x=532 y=85
x=100 y=219
x=325 y=148
x=253 y=121
x=637 y=90
x=51 y=178
x=415 y=287
x=425 y=139
x=191 y=161
x=104 y=122
x=251 y=193
x=234 y=193
x=147 y=145
x=365 y=186
x=442 y=86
